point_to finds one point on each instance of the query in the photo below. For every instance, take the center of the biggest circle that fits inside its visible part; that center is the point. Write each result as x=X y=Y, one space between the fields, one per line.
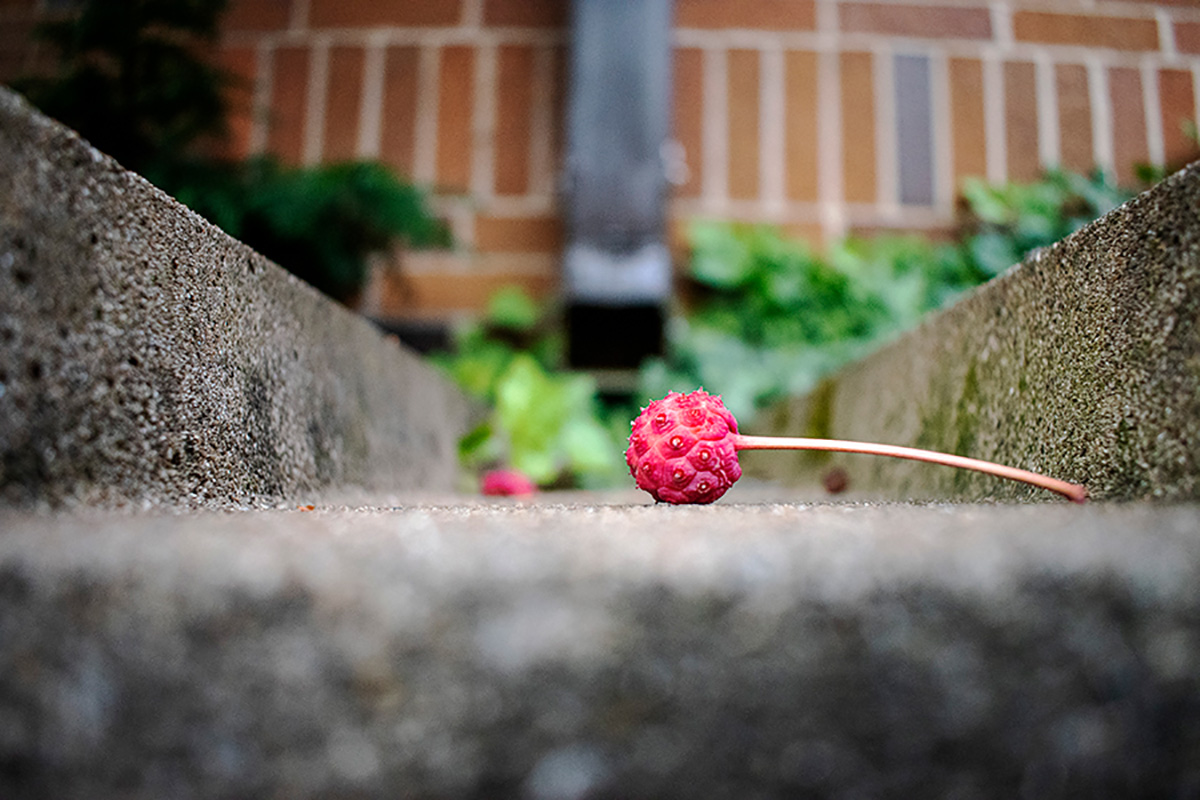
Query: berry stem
x=1071 y=491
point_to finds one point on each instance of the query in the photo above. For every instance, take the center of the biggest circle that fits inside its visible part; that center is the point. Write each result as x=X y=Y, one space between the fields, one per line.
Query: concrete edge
x=148 y=358
x=1083 y=362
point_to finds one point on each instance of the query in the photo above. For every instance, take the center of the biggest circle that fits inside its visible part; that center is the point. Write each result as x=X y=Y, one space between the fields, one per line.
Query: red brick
x=1074 y=118
x=456 y=90
x=1178 y=102
x=810 y=232
x=240 y=64
x=518 y=234
x=343 y=102
x=1187 y=37
x=800 y=115
x=514 y=105
x=526 y=13
x=917 y=21
x=1021 y=121
x=783 y=15
x=858 y=128
x=356 y=13
x=688 y=124
x=1128 y=121
x=967 y=119
x=398 y=135
x=285 y=137
x=432 y=293
x=257 y=15
x=743 y=124
x=1117 y=33
x=942 y=234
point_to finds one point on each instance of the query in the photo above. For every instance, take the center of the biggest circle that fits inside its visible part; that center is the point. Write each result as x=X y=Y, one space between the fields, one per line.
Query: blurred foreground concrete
x=592 y=651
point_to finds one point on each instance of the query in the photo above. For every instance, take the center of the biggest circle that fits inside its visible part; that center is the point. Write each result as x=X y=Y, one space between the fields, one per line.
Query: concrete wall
x=147 y=357
x=1083 y=363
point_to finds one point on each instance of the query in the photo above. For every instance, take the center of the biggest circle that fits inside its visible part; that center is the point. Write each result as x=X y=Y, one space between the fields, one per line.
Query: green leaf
x=510 y=307
x=987 y=202
x=479 y=445
x=589 y=448
x=531 y=409
x=993 y=252
x=720 y=258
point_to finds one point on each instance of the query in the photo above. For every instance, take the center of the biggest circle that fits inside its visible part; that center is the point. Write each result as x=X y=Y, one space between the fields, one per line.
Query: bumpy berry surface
x=681 y=448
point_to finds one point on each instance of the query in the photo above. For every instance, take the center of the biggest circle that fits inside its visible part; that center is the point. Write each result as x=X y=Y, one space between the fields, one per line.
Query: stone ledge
x=506 y=650
x=1082 y=363
x=147 y=357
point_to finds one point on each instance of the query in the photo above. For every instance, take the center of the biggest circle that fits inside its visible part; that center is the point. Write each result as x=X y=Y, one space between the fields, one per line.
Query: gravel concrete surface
x=501 y=649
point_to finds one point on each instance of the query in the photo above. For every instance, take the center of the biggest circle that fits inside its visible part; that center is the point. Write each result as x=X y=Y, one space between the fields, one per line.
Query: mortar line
x=472 y=15
x=883 y=76
x=298 y=17
x=943 y=139
x=314 y=111
x=1000 y=14
x=425 y=134
x=1166 y=32
x=483 y=127
x=370 y=122
x=1152 y=108
x=829 y=145
x=995 y=143
x=1049 y=127
x=1196 y=95
x=260 y=105
x=1102 y=121
x=772 y=137
x=542 y=124
x=716 y=129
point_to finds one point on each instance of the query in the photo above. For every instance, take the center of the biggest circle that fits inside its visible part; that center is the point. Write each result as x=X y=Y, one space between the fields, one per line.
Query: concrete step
x=441 y=649
x=1082 y=363
x=148 y=358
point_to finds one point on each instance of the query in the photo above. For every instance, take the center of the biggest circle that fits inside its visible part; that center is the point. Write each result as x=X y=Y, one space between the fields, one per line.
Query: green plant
x=770 y=317
x=544 y=422
x=1008 y=221
x=132 y=78
x=322 y=223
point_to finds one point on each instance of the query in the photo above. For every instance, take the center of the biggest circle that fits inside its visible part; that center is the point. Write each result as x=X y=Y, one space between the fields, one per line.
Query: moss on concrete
x=1083 y=362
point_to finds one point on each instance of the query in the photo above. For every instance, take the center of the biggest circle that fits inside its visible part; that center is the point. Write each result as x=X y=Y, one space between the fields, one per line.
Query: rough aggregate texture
x=1082 y=363
x=146 y=357
x=589 y=651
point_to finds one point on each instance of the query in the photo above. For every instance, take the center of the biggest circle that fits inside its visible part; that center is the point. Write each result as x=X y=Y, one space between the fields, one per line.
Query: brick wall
x=821 y=116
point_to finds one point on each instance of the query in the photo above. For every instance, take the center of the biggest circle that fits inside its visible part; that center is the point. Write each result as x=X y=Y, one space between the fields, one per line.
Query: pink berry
x=506 y=483
x=682 y=449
